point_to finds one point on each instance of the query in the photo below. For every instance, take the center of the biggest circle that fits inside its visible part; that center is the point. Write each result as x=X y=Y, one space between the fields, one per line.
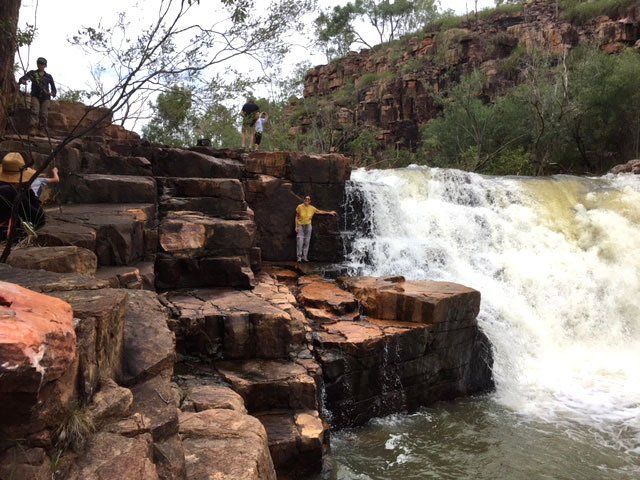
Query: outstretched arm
x=55 y=178
x=325 y=212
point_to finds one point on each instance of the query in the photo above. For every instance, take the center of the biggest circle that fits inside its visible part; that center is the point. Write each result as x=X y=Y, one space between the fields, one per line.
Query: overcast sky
x=58 y=20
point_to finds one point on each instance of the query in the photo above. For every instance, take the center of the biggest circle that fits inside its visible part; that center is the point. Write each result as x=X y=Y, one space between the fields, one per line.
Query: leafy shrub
x=582 y=11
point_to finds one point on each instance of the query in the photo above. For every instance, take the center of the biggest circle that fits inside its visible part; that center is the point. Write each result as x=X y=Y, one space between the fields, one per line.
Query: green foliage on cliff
x=582 y=115
x=581 y=11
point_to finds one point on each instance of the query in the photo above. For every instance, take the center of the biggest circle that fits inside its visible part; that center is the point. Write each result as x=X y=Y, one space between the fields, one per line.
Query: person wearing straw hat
x=30 y=215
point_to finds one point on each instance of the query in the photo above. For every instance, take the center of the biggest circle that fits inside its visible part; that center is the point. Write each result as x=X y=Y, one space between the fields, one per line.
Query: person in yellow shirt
x=304 y=216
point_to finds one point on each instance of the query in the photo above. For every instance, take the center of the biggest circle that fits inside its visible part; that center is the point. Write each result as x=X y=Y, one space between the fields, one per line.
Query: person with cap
x=43 y=88
x=30 y=215
x=304 y=215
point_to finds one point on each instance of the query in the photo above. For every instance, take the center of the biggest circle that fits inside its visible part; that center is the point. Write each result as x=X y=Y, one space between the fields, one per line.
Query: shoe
x=299 y=260
x=305 y=260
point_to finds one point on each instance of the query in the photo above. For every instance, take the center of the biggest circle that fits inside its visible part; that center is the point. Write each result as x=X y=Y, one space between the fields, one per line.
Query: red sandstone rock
x=632 y=166
x=37 y=358
x=55 y=259
x=225 y=445
x=320 y=293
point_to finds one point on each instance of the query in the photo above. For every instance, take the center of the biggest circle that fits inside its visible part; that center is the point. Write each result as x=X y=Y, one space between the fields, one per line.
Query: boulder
x=632 y=166
x=110 y=456
x=111 y=402
x=226 y=445
x=55 y=259
x=149 y=345
x=134 y=277
x=38 y=360
x=267 y=163
x=328 y=168
x=99 y=326
x=102 y=188
x=270 y=384
x=25 y=464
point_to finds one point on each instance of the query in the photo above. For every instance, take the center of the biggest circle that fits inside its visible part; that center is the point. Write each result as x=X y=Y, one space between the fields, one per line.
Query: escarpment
x=392 y=89
x=166 y=336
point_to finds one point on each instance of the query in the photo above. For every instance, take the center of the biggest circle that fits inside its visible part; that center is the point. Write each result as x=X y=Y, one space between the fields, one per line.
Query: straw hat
x=13 y=169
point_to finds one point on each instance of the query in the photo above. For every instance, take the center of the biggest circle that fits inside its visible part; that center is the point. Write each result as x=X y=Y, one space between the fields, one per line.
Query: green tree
x=339 y=28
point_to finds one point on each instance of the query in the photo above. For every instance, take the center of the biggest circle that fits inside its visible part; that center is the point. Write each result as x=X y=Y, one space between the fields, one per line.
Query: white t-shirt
x=38 y=185
x=260 y=125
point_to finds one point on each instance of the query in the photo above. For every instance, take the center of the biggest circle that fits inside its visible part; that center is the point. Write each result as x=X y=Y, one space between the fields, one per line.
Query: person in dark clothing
x=30 y=216
x=43 y=88
x=249 y=115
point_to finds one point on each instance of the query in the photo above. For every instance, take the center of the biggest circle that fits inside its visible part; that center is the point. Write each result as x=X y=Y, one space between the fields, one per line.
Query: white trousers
x=302 y=241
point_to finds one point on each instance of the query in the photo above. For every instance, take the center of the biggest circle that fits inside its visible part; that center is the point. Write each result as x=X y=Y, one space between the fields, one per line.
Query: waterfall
x=557 y=261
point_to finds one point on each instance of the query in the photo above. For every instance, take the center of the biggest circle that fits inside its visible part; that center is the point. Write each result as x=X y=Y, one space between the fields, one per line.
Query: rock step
x=101 y=188
x=186 y=271
x=270 y=384
x=215 y=197
x=118 y=234
x=139 y=276
x=237 y=324
x=94 y=163
x=297 y=441
x=67 y=259
x=196 y=233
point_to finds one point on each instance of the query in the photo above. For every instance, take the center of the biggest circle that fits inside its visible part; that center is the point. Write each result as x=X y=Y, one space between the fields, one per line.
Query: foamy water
x=558 y=264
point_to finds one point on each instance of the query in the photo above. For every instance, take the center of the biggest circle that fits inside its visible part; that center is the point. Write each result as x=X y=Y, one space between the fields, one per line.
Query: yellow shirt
x=304 y=214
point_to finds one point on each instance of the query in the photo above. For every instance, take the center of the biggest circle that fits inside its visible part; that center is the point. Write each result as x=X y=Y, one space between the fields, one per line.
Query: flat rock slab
x=99 y=188
x=296 y=441
x=114 y=165
x=112 y=456
x=55 y=259
x=197 y=232
x=46 y=282
x=220 y=188
x=199 y=398
x=174 y=162
x=319 y=293
x=174 y=272
x=149 y=345
x=223 y=208
x=99 y=327
x=37 y=349
x=270 y=384
x=415 y=301
x=226 y=445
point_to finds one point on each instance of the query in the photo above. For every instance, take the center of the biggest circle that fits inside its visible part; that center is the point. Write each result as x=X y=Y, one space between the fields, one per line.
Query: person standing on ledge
x=43 y=89
x=249 y=115
x=304 y=215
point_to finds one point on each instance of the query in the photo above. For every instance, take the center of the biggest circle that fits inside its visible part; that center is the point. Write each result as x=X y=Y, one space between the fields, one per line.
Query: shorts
x=250 y=119
x=257 y=138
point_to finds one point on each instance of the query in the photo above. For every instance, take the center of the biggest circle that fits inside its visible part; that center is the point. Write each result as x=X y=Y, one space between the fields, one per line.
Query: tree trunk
x=9 y=11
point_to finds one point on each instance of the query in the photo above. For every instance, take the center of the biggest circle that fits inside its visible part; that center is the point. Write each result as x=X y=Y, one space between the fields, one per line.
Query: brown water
x=478 y=439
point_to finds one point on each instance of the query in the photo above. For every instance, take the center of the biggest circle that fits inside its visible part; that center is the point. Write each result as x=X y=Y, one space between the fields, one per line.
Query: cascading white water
x=557 y=261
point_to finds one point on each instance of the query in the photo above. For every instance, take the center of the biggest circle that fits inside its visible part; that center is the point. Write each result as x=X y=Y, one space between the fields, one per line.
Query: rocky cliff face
x=391 y=88
x=143 y=337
